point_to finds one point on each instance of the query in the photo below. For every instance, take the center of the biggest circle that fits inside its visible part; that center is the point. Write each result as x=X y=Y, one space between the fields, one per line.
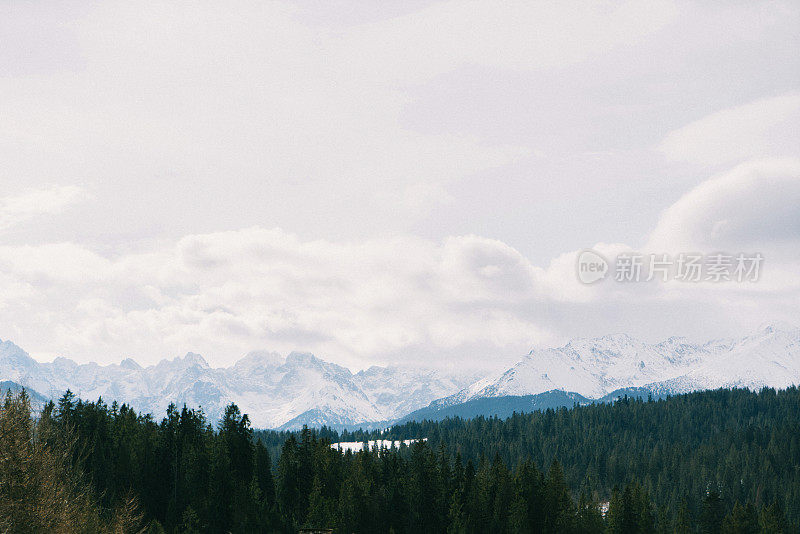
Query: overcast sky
x=382 y=182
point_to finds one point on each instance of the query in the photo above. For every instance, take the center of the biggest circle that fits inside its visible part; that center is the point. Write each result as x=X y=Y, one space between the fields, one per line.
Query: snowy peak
x=275 y=391
x=596 y=367
x=18 y=367
x=301 y=388
x=779 y=327
x=770 y=357
x=130 y=364
x=194 y=359
x=11 y=354
x=398 y=391
x=302 y=359
x=260 y=359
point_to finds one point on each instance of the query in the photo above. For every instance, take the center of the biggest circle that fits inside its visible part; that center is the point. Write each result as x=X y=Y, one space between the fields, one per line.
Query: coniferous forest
x=707 y=462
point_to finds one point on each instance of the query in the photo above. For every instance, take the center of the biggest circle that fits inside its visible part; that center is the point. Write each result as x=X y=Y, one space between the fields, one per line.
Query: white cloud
x=184 y=122
x=766 y=127
x=227 y=292
x=271 y=118
x=753 y=206
x=17 y=209
x=520 y=36
x=392 y=299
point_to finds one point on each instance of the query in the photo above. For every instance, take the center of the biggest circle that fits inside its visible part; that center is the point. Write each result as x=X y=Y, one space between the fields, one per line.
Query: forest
x=705 y=462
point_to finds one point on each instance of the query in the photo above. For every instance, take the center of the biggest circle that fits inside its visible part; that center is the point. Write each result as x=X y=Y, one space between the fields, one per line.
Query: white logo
x=591 y=266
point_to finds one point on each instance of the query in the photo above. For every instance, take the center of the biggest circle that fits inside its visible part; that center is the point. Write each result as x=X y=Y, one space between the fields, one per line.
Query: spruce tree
x=741 y=520
x=559 y=508
x=712 y=513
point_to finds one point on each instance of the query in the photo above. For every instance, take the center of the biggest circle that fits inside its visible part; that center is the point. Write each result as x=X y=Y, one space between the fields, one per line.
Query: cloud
x=22 y=207
x=224 y=293
x=267 y=109
x=765 y=127
x=751 y=207
x=522 y=36
x=400 y=299
x=247 y=118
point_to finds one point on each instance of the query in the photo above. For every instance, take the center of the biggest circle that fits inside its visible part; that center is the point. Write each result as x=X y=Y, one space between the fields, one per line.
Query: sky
x=389 y=183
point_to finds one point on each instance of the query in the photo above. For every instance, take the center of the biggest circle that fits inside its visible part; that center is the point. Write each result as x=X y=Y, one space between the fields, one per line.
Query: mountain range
x=275 y=392
x=302 y=389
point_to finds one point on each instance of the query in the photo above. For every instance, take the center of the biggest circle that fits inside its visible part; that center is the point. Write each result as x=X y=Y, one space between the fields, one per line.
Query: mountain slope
x=595 y=368
x=274 y=391
x=770 y=357
x=504 y=407
x=37 y=400
x=300 y=389
x=397 y=391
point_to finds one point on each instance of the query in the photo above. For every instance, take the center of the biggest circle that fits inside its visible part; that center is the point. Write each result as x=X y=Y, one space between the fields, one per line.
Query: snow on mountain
x=597 y=367
x=398 y=391
x=278 y=392
x=274 y=391
x=770 y=357
x=305 y=383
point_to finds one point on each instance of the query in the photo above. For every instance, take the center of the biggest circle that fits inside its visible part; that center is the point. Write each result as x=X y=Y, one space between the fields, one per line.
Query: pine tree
x=530 y=487
x=190 y=523
x=589 y=519
x=288 y=486
x=712 y=513
x=66 y=407
x=351 y=507
x=478 y=500
x=238 y=436
x=518 y=516
x=503 y=494
x=263 y=475
x=559 y=508
x=424 y=490
x=154 y=527
x=630 y=512
x=456 y=522
x=741 y=520
x=319 y=513
x=615 y=514
x=221 y=487
x=684 y=524
x=643 y=510
x=772 y=521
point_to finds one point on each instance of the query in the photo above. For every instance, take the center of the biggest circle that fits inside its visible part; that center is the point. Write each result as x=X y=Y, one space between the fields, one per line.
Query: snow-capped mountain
x=278 y=392
x=770 y=357
x=274 y=391
x=397 y=391
x=597 y=367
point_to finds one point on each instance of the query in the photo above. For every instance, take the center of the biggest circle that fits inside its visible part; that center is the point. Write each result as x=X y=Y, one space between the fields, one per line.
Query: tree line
x=717 y=461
